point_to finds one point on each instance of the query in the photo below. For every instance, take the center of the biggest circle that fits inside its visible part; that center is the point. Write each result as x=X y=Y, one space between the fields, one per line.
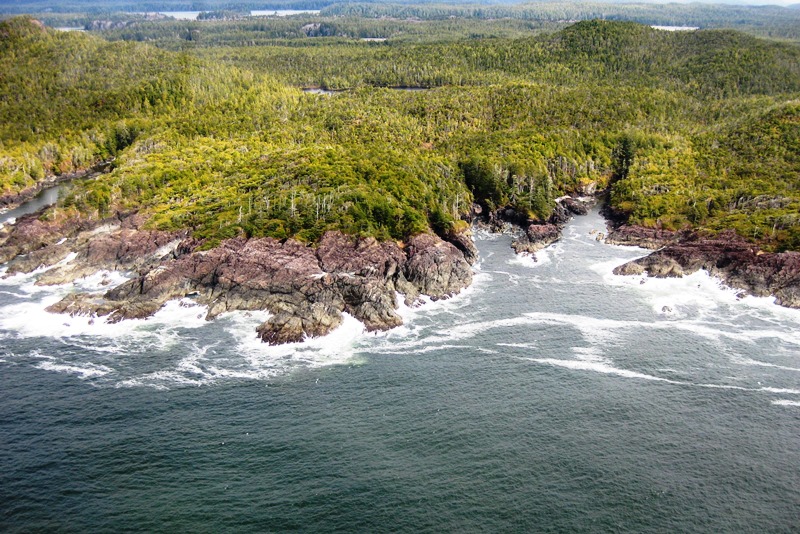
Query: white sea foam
x=29 y=319
x=19 y=280
x=256 y=360
x=433 y=348
x=101 y=281
x=783 y=391
x=450 y=324
x=531 y=261
x=67 y=259
x=431 y=308
x=517 y=345
x=590 y=354
x=82 y=369
x=749 y=361
x=448 y=335
x=599 y=366
x=784 y=402
x=696 y=294
x=83 y=372
x=596 y=331
x=483 y=234
x=262 y=360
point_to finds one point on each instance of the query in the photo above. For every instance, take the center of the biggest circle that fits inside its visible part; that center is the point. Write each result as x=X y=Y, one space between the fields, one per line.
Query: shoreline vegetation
x=225 y=181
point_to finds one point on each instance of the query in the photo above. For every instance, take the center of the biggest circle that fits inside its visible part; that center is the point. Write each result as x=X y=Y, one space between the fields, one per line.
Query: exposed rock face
x=463 y=242
x=650 y=238
x=305 y=289
x=112 y=244
x=537 y=237
x=738 y=263
x=435 y=267
x=577 y=206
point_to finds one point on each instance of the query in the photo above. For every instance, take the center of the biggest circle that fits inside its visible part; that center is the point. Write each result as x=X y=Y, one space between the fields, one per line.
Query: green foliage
x=693 y=129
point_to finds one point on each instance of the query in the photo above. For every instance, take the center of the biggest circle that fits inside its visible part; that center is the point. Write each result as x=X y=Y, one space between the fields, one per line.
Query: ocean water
x=551 y=396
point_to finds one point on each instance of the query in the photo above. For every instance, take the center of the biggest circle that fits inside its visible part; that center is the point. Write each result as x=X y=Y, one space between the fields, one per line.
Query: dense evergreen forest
x=402 y=19
x=209 y=129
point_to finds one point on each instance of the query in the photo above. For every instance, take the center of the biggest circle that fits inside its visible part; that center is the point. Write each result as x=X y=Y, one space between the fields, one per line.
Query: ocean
x=551 y=396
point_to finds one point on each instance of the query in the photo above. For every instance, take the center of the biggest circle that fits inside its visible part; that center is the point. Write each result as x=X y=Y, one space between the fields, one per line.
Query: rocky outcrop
x=436 y=268
x=577 y=206
x=638 y=236
x=463 y=241
x=31 y=234
x=111 y=244
x=305 y=288
x=738 y=263
x=539 y=235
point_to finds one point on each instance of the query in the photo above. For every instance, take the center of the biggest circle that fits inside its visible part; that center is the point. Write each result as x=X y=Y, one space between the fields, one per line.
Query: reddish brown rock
x=366 y=257
x=305 y=289
x=638 y=236
x=537 y=237
x=436 y=268
x=738 y=263
x=463 y=241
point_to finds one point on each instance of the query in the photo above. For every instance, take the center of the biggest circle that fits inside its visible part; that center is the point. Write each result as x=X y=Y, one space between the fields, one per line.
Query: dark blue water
x=549 y=397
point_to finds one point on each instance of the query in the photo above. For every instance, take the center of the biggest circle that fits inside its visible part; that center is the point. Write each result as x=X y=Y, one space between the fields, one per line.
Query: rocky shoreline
x=737 y=262
x=540 y=234
x=306 y=289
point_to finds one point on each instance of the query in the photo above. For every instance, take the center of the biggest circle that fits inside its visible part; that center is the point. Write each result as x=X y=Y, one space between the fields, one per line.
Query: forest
x=411 y=19
x=209 y=128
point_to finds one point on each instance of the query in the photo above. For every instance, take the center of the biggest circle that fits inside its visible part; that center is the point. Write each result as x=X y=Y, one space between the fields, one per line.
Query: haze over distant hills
x=43 y=6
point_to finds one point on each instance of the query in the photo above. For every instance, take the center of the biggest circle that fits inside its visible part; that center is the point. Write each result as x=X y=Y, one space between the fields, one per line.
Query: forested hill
x=693 y=129
x=58 y=82
x=723 y=62
x=773 y=21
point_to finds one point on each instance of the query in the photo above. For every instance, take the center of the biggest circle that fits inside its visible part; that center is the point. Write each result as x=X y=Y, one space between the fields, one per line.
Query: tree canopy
x=690 y=129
